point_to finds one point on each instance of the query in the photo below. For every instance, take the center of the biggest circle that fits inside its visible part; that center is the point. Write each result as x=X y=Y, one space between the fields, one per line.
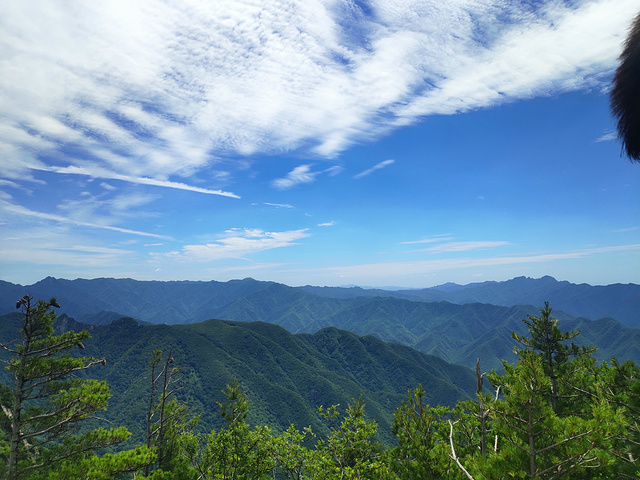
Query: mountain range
x=458 y=329
x=456 y=333
x=619 y=301
x=189 y=301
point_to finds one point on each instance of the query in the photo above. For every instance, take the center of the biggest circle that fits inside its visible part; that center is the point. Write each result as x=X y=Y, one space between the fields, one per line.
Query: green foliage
x=235 y=451
x=592 y=435
x=168 y=420
x=89 y=466
x=421 y=432
x=291 y=455
x=538 y=441
x=559 y=413
x=289 y=375
x=49 y=402
x=559 y=416
x=546 y=339
x=349 y=452
x=617 y=385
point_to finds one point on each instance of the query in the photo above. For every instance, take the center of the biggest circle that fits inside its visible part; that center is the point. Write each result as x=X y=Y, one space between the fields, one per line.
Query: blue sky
x=407 y=143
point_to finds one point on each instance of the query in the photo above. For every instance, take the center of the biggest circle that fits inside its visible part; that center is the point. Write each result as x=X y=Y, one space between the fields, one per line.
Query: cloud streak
x=22 y=211
x=387 y=269
x=450 y=247
x=300 y=175
x=237 y=243
x=433 y=239
x=96 y=172
x=378 y=166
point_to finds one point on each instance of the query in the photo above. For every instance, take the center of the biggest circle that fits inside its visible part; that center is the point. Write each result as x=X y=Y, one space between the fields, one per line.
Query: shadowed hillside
x=286 y=376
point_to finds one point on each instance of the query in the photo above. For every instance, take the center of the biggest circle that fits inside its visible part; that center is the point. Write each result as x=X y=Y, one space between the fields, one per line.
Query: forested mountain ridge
x=619 y=301
x=286 y=376
x=457 y=333
x=191 y=301
x=150 y=301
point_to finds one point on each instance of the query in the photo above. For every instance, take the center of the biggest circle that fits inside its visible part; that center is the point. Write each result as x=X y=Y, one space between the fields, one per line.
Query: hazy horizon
x=364 y=287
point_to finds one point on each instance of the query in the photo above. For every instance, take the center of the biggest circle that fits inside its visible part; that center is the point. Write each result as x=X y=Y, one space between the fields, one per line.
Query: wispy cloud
x=237 y=243
x=449 y=247
x=327 y=224
x=9 y=183
x=299 y=175
x=107 y=186
x=628 y=229
x=278 y=205
x=164 y=89
x=130 y=201
x=390 y=269
x=378 y=166
x=20 y=210
x=48 y=251
x=432 y=239
x=607 y=137
x=334 y=170
x=97 y=172
x=554 y=49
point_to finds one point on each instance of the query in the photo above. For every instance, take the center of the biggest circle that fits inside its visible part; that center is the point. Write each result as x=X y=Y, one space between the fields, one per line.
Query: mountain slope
x=457 y=333
x=287 y=376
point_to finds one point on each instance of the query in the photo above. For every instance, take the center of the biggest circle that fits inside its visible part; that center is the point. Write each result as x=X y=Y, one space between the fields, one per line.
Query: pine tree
x=350 y=451
x=49 y=402
x=536 y=440
x=549 y=341
x=235 y=451
x=557 y=418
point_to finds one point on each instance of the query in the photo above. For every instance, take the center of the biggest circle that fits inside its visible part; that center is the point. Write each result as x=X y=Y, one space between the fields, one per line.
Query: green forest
x=555 y=412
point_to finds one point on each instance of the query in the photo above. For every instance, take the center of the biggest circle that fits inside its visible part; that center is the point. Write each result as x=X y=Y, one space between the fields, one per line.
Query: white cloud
x=433 y=239
x=334 y=170
x=607 y=137
x=299 y=175
x=327 y=224
x=9 y=183
x=561 y=48
x=278 y=205
x=237 y=243
x=391 y=269
x=130 y=201
x=149 y=90
x=106 y=210
x=624 y=230
x=22 y=211
x=98 y=172
x=30 y=252
x=463 y=246
x=378 y=166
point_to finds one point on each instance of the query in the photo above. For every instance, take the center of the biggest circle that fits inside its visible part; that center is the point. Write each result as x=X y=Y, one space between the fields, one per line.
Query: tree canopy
x=554 y=413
